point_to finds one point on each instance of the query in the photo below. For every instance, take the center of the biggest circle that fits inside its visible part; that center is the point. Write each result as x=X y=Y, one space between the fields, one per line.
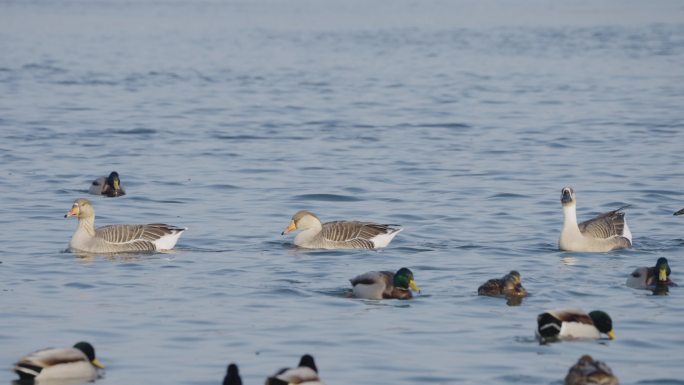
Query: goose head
x=567 y=196
x=302 y=220
x=82 y=208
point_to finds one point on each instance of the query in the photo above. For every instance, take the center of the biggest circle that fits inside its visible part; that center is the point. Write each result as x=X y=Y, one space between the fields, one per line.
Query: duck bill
x=290 y=227
x=611 y=334
x=116 y=184
x=662 y=274
x=72 y=213
x=97 y=363
x=414 y=286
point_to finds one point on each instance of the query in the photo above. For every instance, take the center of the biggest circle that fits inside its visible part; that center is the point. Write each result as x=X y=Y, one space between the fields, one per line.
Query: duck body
x=339 y=234
x=76 y=363
x=509 y=285
x=651 y=277
x=118 y=238
x=384 y=285
x=304 y=374
x=587 y=371
x=573 y=324
x=107 y=185
x=606 y=232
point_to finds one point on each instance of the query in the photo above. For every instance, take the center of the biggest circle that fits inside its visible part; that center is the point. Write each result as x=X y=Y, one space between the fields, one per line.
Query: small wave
x=136 y=131
x=325 y=198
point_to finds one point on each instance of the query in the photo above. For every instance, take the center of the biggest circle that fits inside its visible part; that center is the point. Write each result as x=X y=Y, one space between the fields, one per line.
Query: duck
x=606 y=232
x=108 y=186
x=384 y=285
x=508 y=285
x=587 y=371
x=573 y=324
x=75 y=363
x=118 y=238
x=306 y=373
x=232 y=375
x=339 y=234
x=649 y=277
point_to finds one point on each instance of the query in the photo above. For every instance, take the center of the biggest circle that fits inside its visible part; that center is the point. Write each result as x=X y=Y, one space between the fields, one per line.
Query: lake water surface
x=459 y=120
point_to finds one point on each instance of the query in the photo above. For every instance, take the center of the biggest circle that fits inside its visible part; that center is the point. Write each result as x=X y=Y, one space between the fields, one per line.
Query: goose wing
x=357 y=234
x=140 y=237
x=606 y=225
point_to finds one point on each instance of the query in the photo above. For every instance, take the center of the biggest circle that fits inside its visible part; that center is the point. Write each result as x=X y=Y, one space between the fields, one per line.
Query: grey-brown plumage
x=508 y=285
x=339 y=234
x=118 y=238
x=587 y=371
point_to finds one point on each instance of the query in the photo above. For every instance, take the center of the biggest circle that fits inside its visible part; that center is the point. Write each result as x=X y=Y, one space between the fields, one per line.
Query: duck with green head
x=646 y=277
x=384 y=285
x=77 y=364
x=573 y=324
x=107 y=185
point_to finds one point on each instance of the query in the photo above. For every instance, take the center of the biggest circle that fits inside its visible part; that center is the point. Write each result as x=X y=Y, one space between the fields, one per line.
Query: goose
x=606 y=232
x=305 y=374
x=650 y=277
x=232 y=376
x=384 y=285
x=76 y=363
x=573 y=324
x=587 y=372
x=118 y=238
x=508 y=285
x=339 y=234
x=107 y=185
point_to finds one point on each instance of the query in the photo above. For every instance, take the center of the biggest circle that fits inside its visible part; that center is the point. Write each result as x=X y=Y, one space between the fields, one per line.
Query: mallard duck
x=78 y=362
x=384 y=284
x=574 y=324
x=305 y=374
x=107 y=185
x=587 y=371
x=339 y=234
x=118 y=238
x=606 y=232
x=508 y=285
x=232 y=376
x=650 y=277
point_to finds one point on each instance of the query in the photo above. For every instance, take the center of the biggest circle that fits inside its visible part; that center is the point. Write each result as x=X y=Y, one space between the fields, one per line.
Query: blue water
x=459 y=120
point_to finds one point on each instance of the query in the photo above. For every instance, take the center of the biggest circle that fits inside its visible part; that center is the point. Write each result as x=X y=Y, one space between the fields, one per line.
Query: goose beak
x=566 y=197
x=680 y=212
x=414 y=286
x=611 y=334
x=73 y=212
x=290 y=227
x=97 y=363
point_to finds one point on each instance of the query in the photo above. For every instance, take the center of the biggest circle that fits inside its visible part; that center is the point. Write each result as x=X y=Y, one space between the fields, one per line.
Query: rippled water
x=462 y=121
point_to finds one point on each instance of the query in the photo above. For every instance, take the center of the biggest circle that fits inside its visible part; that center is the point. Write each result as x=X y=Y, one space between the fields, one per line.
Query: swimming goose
x=384 y=285
x=573 y=324
x=77 y=363
x=339 y=234
x=109 y=186
x=606 y=232
x=232 y=376
x=305 y=374
x=649 y=277
x=508 y=285
x=118 y=238
x=587 y=372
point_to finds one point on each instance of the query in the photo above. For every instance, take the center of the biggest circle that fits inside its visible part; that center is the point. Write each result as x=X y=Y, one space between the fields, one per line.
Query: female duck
x=508 y=285
x=339 y=234
x=573 y=324
x=77 y=363
x=587 y=371
x=384 y=285
x=118 y=238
